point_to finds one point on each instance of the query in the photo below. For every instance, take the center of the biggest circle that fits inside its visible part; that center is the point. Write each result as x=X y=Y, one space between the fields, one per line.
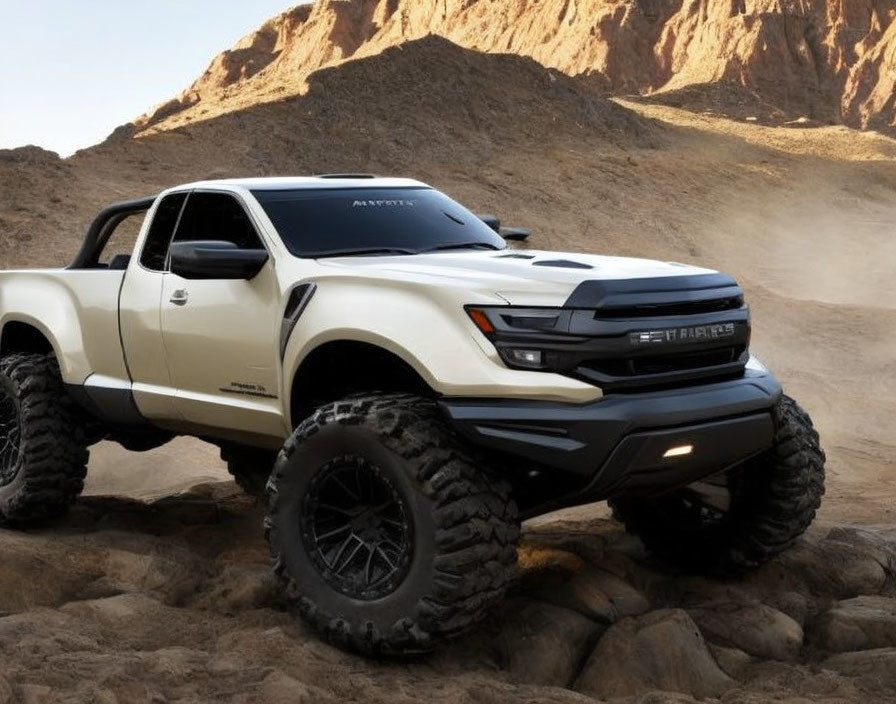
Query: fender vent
x=295 y=306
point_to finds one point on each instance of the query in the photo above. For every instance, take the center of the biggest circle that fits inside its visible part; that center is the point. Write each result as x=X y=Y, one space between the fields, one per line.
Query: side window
x=217 y=216
x=155 y=249
x=118 y=248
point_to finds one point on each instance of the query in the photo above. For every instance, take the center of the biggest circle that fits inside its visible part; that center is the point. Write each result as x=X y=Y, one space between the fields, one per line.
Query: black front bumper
x=617 y=444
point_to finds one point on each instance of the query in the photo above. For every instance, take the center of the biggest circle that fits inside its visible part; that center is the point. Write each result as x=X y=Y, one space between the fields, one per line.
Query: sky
x=71 y=71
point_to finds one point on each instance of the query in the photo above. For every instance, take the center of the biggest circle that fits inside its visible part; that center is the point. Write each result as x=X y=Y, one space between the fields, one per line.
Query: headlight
x=528 y=338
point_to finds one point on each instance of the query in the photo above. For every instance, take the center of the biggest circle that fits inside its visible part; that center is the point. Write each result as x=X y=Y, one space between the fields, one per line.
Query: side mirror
x=213 y=259
x=493 y=221
x=515 y=234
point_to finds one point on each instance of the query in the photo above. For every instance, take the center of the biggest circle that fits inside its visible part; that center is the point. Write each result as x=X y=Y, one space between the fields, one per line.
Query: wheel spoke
x=385 y=557
x=345 y=544
x=337 y=509
x=331 y=533
x=351 y=557
x=370 y=553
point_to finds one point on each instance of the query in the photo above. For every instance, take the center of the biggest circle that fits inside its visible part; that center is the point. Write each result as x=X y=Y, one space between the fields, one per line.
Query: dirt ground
x=151 y=593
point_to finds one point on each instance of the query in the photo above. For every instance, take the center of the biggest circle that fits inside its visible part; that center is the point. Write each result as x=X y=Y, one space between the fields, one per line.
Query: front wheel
x=385 y=536
x=738 y=520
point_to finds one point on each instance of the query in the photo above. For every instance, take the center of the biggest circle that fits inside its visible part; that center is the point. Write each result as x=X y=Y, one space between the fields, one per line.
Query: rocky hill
x=770 y=60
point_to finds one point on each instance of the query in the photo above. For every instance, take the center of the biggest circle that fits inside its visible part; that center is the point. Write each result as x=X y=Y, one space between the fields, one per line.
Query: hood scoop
x=516 y=256
x=562 y=264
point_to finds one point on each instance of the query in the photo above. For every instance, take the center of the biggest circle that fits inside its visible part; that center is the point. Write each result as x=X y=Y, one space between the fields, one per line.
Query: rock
x=793 y=604
x=731 y=660
x=834 y=568
x=874 y=543
x=660 y=650
x=878 y=663
x=756 y=629
x=596 y=594
x=544 y=644
x=5 y=691
x=862 y=623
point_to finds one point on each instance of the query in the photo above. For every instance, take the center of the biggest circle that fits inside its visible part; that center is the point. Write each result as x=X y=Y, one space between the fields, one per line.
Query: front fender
x=428 y=329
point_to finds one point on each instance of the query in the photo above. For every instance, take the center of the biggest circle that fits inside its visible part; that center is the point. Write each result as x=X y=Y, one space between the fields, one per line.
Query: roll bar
x=103 y=226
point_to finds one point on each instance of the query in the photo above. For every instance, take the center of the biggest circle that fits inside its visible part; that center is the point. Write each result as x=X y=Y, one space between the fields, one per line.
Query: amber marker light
x=481 y=320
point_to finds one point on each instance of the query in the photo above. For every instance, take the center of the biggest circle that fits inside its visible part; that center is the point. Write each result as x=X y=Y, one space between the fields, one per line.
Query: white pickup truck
x=404 y=386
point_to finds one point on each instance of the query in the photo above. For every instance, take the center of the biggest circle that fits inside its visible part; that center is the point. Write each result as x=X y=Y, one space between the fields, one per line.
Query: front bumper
x=617 y=445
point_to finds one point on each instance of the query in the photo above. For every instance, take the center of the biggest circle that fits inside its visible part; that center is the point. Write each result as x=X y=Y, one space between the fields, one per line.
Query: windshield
x=346 y=221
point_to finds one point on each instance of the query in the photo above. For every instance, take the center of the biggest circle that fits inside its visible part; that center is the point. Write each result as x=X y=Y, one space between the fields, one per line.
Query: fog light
x=679 y=451
x=525 y=358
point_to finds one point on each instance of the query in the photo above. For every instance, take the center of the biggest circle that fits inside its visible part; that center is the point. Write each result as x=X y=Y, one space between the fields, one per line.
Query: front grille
x=665 y=364
x=661 y=310
x=650 y=333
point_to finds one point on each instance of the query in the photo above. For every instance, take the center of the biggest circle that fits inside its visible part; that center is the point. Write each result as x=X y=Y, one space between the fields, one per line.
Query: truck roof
x=282 y=183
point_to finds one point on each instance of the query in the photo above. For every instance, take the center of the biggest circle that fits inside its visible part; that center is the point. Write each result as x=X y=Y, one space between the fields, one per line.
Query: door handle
x=180 y=297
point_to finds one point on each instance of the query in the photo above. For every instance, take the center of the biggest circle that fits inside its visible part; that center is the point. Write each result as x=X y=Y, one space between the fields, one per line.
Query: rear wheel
x=385 y=535
x=740 y=519
x=43 y=453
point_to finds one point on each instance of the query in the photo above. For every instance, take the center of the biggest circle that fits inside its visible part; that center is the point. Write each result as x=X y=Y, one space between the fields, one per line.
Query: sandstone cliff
x=777 y=59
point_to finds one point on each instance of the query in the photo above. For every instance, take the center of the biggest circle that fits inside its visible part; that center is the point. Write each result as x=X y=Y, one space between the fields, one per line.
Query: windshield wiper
x=360 y=252
x=461 y=245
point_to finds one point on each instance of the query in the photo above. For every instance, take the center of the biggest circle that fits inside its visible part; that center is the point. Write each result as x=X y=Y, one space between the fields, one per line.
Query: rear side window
x=160 y=232
x=217 y=216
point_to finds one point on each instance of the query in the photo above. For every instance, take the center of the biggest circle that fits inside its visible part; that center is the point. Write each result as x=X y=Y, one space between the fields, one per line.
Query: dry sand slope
x=171 y=601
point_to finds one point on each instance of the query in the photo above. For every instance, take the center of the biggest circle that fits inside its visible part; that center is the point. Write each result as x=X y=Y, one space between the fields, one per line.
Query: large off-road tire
x=43 y=453
x=771 y=500
x=250 y=467
x=386 y=536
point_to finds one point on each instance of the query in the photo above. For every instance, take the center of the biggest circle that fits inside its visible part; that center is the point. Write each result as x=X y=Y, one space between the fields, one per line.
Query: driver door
x=219 y=334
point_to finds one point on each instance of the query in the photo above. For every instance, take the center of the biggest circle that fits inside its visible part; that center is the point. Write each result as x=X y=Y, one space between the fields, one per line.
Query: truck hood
x=521 y=277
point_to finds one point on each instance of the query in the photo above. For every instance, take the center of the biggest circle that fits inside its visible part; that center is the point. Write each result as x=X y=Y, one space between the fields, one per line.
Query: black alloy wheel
x=357 y=528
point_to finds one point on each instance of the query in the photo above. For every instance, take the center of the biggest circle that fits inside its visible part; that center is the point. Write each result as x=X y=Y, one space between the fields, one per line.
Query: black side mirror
x=515 y=234
x=493 y=221
x=214 y=259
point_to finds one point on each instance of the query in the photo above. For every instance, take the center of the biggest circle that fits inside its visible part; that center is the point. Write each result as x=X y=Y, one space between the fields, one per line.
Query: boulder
x=862 y=623
x=661 y=650
x=878 y=663
x=756 y=629
x=597 y=594
x=731 y=660
x=544 y=644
